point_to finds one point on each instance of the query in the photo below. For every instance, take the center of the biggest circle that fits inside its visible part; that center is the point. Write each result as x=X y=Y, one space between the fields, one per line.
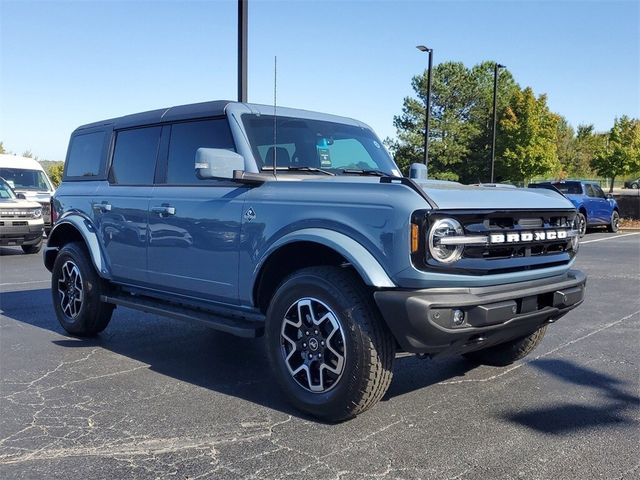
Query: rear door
x=122 y=204
x=194 y=225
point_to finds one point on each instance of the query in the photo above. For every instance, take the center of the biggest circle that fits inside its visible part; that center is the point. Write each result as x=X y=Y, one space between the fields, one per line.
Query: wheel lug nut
x=322 y=343
x=306 y=333
x=304 y=345
x=310 y=356
x=315 y=331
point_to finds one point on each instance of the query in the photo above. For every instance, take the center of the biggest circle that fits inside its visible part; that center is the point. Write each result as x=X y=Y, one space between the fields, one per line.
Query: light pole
x=422 y=48
x=496 y=66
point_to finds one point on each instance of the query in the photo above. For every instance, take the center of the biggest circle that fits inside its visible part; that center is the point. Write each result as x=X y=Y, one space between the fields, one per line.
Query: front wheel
x=76 y=289
x=582 y=224
x=508 y=352
x=329 y=348
x=614 y=224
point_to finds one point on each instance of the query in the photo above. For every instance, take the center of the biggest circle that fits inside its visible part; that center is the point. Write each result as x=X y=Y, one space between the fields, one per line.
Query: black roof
x=181 y=112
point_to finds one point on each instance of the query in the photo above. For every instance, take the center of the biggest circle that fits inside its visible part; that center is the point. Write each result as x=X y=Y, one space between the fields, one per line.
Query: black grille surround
x=498 y=258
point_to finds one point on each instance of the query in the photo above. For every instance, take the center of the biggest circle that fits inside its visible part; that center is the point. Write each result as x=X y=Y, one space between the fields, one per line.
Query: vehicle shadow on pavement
x=201 y=356
x=6 y=251
x=570 y=417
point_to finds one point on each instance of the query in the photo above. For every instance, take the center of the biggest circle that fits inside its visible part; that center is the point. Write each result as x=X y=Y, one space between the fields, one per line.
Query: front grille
x=508 y=256
x=518 y=222
x=20 y=224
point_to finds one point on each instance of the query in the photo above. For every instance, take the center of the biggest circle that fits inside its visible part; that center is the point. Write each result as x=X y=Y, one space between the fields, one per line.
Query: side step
x=224 y=320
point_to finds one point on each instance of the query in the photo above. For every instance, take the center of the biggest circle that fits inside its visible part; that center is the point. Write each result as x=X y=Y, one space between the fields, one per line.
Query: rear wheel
x=329 y=348
x=614 y=224
x=76 y=290
x=30 y=249
x=507 y=353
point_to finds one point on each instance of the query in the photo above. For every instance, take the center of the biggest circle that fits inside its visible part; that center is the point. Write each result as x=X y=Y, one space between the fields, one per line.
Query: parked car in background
x=635 y=184
x=21 y=222
x=26 y=176
x=595 y=209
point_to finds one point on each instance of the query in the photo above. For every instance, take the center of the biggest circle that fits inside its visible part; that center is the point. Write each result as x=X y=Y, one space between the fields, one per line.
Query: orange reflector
x=414 y=238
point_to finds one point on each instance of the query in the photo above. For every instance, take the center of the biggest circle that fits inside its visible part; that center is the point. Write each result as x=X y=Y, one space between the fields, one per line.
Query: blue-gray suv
x=299 y=226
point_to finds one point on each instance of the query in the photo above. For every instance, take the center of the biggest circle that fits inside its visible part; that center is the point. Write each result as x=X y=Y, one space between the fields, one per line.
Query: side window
x=186 y=138
x=589 y=190
x=598 y=191
x=134 y=157
x=85 y=155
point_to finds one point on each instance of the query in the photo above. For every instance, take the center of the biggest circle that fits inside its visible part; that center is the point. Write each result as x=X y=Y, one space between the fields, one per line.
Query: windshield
x=5 y=191
x=302 y=143
x=22 y=179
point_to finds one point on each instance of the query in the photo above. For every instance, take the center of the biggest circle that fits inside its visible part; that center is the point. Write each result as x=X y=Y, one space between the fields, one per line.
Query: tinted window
x=25 y=179
x=186 y=138
x=589 y=190
x=85 y=155
x=598 y=191
x=134 y=157
x=569 y=188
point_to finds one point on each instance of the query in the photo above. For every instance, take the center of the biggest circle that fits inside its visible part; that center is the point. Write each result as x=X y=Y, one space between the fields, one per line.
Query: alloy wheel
x=313 y=345
x=70 y=289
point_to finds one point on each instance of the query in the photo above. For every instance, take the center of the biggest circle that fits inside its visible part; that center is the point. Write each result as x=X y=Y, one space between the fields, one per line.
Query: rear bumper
x=422 y=320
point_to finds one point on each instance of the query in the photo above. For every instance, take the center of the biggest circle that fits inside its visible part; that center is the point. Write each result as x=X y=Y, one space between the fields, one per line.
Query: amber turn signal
x=414 y=238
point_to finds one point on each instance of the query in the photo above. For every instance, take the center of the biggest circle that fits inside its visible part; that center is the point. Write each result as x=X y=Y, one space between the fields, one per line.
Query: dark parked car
x=635 y=184
x=595 y=209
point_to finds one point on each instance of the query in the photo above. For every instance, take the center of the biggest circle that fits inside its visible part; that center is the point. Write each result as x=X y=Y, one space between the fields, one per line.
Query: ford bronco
x=299 y=226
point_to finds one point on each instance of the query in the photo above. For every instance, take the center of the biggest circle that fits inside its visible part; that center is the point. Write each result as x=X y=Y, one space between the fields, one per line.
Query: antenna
x=275 y=118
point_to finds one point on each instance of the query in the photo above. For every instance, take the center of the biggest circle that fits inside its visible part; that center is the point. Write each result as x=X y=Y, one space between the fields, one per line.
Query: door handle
x=102 y=207
x=164 y=210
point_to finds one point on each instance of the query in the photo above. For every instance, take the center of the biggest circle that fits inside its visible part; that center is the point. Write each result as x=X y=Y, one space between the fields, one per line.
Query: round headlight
x=575 y=240
x=36 y=213
x=445 y=227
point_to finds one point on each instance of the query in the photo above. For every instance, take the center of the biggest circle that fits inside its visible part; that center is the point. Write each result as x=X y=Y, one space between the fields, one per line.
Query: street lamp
x=422 y=48
x=496 y=66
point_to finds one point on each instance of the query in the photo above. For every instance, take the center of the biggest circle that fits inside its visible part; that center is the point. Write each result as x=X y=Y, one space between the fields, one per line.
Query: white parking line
x=609 y=238
x=24 y=283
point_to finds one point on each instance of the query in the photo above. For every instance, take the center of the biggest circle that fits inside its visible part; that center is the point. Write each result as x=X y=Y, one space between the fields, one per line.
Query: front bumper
x=21 y=232
x=422 y=320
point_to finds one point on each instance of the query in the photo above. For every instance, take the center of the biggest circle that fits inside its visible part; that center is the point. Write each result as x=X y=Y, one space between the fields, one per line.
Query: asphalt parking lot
x=154 y=398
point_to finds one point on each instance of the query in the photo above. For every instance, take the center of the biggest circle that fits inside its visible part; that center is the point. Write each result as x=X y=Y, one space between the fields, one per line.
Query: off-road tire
x=31 y=249
x=614 y=224
x=368 y=345
x=507 y=353
x=93 y=315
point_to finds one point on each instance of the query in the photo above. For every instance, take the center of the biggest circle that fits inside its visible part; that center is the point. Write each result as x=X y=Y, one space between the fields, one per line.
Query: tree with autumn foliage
x=621 y=153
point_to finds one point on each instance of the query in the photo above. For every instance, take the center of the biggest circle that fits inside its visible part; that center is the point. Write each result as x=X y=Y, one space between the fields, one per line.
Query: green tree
x=527 y=138
x=2 y=150
x=27 y=153
x=55 y=173
x=566 y=147
x=621 y=153
x=460 y=130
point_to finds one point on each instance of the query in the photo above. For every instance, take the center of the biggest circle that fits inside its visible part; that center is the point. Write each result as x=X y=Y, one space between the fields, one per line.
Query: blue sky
x=63 y=64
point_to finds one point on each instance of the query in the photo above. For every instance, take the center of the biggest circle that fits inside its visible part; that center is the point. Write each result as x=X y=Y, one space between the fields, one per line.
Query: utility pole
x=496 y=66
x=243 y=7
x=422 y=48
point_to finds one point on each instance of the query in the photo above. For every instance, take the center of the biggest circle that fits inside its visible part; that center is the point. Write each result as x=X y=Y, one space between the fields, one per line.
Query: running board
x=230 y=321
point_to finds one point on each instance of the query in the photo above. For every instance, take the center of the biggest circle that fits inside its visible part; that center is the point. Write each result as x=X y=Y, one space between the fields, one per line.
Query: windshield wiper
x=355 y=171
x=301 y=169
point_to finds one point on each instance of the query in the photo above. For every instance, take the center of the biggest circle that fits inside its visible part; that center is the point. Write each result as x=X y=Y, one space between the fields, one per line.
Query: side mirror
x=609 y=196
x=217 y=163
x=21 y=196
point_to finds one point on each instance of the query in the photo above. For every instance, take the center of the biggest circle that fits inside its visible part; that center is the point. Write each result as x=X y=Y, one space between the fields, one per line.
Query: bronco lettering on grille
x=515 y=237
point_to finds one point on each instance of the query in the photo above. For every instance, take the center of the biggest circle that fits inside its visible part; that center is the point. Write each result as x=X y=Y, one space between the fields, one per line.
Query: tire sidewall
x=301 y=285
x=90 y=288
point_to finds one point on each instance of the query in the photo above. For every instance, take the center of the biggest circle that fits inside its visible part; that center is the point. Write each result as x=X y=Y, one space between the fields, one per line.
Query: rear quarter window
x=86 y=153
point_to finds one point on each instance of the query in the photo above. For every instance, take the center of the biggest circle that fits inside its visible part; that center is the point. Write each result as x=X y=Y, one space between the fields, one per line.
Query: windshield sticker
x=325 y=157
